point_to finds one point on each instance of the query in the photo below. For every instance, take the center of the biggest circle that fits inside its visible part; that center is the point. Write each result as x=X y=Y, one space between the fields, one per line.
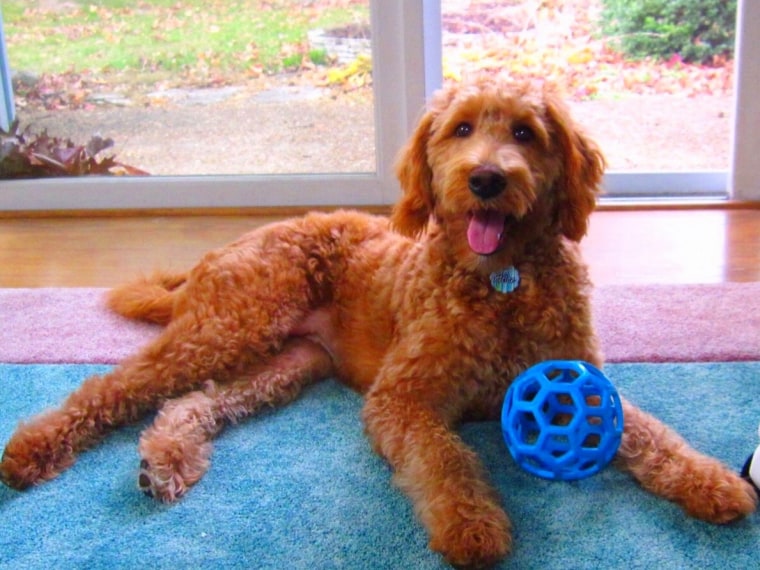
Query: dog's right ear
x=411 y=213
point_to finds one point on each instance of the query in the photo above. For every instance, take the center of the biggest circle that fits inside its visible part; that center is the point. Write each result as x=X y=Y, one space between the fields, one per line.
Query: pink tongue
x=484 y=232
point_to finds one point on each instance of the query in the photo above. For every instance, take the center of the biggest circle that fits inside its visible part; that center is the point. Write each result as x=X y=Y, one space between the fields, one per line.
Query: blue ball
x=562 y=420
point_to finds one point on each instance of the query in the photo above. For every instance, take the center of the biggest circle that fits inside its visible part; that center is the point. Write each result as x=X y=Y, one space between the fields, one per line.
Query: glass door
x=199 y=88
x=224 y=104
x=678 y=132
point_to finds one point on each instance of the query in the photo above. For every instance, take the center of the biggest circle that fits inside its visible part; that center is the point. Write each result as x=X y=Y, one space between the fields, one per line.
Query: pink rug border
x=639 y=323
x=679 y=323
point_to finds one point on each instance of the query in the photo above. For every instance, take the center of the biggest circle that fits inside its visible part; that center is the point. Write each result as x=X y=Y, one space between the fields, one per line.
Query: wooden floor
x=623 y=247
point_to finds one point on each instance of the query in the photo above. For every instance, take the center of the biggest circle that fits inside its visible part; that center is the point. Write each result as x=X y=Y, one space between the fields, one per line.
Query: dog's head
x=496 y=163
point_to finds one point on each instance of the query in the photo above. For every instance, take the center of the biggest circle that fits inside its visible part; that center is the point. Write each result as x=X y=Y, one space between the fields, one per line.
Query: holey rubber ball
x=562 y=420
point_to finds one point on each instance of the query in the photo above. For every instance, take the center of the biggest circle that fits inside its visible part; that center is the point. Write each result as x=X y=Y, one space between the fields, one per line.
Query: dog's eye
x=523 y=134
x=463 y=130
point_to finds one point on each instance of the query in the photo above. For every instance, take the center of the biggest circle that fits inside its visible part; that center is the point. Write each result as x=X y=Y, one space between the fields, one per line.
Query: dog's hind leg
x=238 y=306
x=188 y=353
x=194 y=348
x=175 y=450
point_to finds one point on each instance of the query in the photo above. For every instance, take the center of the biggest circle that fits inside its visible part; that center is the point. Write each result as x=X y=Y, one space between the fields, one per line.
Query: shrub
x=696 y=30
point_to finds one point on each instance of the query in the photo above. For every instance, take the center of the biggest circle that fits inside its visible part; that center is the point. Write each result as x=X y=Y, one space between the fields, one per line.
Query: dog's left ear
x=582 y=169
x=411 y=213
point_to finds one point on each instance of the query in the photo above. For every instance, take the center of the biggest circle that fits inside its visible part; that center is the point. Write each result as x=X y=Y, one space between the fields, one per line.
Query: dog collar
x=507 y=280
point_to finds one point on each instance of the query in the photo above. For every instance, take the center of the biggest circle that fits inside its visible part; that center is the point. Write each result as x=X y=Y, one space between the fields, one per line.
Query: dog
x=430 y=314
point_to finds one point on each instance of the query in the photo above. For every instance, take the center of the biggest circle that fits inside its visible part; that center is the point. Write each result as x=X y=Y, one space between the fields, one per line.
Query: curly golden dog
x=430 y=315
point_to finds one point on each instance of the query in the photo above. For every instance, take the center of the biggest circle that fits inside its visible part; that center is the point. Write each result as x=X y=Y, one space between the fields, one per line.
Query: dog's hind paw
x=164 y=485
x=169 y=467
x=21 y=471
x=35 y=453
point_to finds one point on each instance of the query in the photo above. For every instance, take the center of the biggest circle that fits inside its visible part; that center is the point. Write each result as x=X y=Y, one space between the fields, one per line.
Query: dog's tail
x=148 y=299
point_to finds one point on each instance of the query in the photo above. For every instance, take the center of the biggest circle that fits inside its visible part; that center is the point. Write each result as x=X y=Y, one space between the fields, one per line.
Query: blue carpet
x=300 y=488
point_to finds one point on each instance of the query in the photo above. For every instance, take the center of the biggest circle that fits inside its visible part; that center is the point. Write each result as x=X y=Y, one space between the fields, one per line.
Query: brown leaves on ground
x=27 y=155
x=559 y=40
x=55 y=91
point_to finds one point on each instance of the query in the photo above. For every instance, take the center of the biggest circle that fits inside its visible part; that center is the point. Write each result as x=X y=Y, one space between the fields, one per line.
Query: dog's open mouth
x=485 y=231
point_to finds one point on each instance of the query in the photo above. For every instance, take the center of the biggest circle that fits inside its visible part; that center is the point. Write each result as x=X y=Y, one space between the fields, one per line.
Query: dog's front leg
x=443 y=477
x=667 y=466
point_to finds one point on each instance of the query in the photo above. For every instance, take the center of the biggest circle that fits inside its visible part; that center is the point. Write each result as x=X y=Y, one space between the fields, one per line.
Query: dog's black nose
x=486 y=182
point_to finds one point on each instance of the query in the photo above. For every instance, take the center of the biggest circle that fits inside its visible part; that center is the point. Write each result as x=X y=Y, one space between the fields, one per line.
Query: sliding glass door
x=315 y=122
x=198 y=88
x=326 y=130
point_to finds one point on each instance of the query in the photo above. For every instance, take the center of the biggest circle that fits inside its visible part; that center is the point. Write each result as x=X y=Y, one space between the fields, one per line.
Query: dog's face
x=496 y=164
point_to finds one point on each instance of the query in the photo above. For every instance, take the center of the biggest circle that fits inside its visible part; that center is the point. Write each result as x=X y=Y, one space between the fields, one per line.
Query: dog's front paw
x=473 y=537
x=717 y=495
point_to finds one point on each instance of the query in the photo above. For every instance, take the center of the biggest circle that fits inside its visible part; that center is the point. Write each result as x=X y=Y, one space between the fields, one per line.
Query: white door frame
x=744 y=178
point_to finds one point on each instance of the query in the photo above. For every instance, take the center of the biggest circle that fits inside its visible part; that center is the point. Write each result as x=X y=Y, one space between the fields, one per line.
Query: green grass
x=192 y=36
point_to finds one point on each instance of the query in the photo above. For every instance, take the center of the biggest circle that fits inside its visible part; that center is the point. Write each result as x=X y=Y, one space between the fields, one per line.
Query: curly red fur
x=148 y=299
x=411 y=321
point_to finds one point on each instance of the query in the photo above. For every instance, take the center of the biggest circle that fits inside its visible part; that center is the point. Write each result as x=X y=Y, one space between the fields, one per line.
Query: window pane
x=666 y=112
x=200 y=87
